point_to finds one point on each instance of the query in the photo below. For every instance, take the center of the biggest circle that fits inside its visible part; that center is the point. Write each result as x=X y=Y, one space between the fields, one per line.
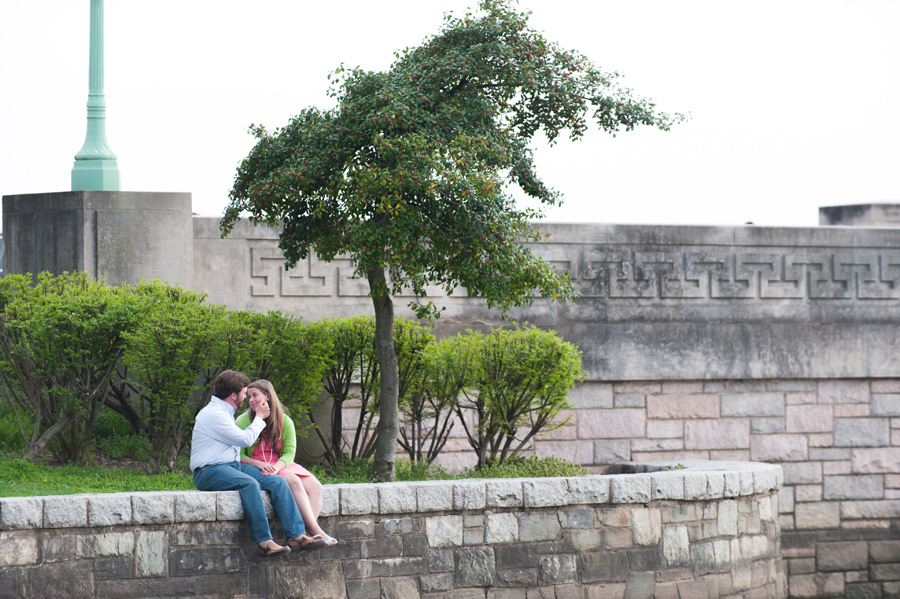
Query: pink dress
x=264 y=453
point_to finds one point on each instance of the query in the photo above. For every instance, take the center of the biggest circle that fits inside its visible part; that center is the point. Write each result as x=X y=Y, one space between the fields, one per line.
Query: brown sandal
x=268 y=551
x=306 y=544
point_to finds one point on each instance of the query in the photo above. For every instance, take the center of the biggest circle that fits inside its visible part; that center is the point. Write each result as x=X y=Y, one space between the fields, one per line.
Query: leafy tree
x=409 y=173
x=61 y=340
x=519 y=385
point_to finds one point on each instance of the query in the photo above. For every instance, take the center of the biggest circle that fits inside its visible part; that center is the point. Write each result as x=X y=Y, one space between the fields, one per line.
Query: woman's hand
x=272 y=468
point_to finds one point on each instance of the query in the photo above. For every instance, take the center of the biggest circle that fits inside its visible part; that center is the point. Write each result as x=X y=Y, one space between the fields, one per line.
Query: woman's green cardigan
x=288 y=437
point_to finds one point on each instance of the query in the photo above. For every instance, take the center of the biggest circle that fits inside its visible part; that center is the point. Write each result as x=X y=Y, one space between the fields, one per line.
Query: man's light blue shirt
x=216 y=438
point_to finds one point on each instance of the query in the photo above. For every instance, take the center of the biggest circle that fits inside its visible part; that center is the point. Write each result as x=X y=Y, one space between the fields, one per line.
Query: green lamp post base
x=95 y=175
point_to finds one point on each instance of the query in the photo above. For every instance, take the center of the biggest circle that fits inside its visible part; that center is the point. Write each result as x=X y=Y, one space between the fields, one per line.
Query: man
x=215 y=461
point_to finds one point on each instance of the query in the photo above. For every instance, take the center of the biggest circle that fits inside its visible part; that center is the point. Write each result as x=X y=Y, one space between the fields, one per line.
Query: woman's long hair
x=275 y=421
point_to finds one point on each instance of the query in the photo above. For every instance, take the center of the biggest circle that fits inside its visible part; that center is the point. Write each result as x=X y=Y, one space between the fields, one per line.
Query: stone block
x=695 y=485
x=870 y=510
x=587 y=490
x=439 y=560
x=65 y=511
x=732 y=484
x=630 y=488
x=576 y=518
x=606 y=591
x=152 y=551
x=110 y=509
x=577 y=452
x=545 y=492
x=858 y=486
x=557 y=569
x=809 y=419
x=778 y=448
x=710 y=557
x=647 y=525
x=357 y=500
x=195 y=506
x=884 y=572
x=842 y=556
x=851 y=410
x=469 y=495
x=324 y=580
x=817 y=515
x=105 y=545
x=18 y=549
x=158 y=507
x=392 y=588
x=801 y=398
x=610 y=451
x=887 y=404
x=475 y=567
x=807 y=493
x=396 y=498
x=538 y=526
x=331 y=501
x=504 y=493
x=113 y=567
x=816 y=585
x=724 y=433
x=862 y=432
x=884 y=386
x=645 y=445
x=667 y=485
x=766 y=426
x=676 y=545
x=444 y=531
x=21 y=513
x=884 y=551
x=682 y=406
x=874 y=461
x=58 y=548
x=432 y=583
x=501 y=528
x=591 y=395
x=434 y=496
x=665 y=429
x=715 y=485
x=832 y=468
x=603 y=566
x=629 y=400
x=65 y=580
x=843 y=391
x=802 y=473
x=640 y=585
x=757 y=405
x=727 y=517
x=228 y=506
x=617 y=423
x=187 y=562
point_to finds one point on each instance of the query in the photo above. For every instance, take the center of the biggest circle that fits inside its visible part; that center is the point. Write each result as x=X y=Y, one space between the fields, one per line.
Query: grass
x=21 y=478
x=120 y=465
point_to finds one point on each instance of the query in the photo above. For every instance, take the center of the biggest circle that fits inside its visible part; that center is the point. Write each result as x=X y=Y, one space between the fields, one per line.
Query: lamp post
x=95 y=164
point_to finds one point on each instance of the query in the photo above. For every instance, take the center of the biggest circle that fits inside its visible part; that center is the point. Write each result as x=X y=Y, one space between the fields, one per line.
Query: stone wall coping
x=634 y=482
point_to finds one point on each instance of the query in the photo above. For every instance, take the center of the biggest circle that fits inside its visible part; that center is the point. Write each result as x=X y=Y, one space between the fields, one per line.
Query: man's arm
x=224 y=429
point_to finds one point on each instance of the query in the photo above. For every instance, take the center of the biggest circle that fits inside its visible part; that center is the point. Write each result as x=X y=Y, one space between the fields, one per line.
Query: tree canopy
x=411 y=170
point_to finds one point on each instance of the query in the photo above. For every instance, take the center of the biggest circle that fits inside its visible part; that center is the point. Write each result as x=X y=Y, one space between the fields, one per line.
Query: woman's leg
x=314 y=492
x=303 y=503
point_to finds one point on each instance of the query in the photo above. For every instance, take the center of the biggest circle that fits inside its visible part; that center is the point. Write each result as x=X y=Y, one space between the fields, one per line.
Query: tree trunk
x=388 y=427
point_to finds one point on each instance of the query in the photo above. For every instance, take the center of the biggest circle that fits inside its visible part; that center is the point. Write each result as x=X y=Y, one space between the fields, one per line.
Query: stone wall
x=707 y=531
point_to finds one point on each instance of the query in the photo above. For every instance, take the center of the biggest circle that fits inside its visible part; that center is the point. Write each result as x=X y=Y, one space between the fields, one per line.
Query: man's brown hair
x=228 y=382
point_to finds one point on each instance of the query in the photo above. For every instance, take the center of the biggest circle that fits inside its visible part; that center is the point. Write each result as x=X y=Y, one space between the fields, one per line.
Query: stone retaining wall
x=707 y=531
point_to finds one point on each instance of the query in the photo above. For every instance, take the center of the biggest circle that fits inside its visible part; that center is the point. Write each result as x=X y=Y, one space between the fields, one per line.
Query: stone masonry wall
x=707 y=531
x=838 y=442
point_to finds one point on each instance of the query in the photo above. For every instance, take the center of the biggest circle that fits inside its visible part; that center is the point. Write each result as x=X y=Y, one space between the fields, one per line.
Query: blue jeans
x=248 y=481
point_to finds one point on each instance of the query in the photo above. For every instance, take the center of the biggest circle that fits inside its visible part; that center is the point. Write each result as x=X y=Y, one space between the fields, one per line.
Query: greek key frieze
x=309 y=278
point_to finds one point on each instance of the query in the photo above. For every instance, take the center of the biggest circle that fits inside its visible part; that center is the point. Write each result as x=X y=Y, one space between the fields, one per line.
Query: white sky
x=794 y=103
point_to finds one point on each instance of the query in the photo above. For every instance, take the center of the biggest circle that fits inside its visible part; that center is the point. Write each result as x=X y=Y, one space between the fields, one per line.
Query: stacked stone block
x=707 y=531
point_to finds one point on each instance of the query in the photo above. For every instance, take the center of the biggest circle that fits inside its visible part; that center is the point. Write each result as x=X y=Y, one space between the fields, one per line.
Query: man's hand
x=262 y=409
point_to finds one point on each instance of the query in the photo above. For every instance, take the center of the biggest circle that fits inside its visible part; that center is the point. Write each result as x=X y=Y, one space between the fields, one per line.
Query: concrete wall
x=703 y=532
x=120 y=235
x=657 y=302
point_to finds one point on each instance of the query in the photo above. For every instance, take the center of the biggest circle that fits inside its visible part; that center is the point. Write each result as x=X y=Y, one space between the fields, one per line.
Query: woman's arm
x=289 y=441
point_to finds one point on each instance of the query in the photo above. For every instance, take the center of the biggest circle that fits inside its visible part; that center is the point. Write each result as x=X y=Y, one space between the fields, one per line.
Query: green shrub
x=520 y=381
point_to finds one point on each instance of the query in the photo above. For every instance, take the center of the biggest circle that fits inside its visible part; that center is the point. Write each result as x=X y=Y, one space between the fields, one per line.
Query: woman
x=274 y=454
